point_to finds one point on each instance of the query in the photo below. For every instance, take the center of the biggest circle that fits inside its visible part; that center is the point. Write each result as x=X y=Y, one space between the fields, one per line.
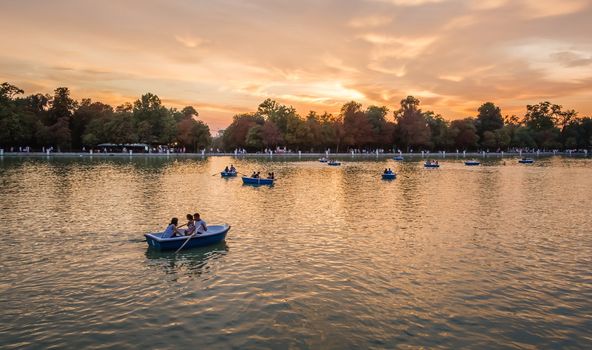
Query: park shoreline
x=292 y=155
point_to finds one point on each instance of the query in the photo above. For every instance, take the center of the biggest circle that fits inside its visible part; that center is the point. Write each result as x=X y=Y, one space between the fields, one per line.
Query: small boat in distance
x=389 y=176
x=472 y=162
x=333 y=163
x=398 y=158
x=526 y=161
x=323 y=160
x=228 y=173
x=214 y=234
x=431 y=164
x=256 y=181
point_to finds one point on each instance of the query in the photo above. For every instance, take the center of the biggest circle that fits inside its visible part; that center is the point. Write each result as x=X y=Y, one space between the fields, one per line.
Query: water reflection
x=196 y=262
x=331 y=257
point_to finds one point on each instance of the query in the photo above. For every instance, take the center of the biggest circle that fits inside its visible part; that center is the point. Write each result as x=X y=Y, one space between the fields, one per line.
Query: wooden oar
x=187 y=240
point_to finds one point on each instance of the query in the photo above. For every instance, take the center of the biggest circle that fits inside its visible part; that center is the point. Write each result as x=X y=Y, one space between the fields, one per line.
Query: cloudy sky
x=225 y=57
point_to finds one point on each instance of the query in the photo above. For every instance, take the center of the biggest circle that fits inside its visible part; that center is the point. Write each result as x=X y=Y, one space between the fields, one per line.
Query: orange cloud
x=225 y=59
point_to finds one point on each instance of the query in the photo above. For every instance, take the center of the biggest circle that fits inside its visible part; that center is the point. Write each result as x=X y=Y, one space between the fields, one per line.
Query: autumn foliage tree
x=59 y=121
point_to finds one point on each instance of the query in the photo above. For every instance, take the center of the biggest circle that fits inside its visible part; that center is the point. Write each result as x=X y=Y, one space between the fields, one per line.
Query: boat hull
x=334 y=163
x=389 y=176
x=255 y=181
x=218 y=235
x=472 y=163
x=526 y=161
x=398 y=158
x=228 y=174
x=431 y=165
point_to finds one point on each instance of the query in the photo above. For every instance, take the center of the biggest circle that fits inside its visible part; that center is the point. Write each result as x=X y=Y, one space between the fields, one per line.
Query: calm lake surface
x=495 y=256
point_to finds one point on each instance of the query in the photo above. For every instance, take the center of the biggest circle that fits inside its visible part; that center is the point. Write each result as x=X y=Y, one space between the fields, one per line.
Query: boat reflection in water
x=188 y=262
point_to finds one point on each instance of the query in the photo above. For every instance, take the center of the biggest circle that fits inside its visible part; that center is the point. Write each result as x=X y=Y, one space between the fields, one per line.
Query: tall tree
x=466 y=133
x=382 y=130
x=542 y=119
x=87 y=111
x=412 y=129
x=358 y=131
x=59 y=121
x=489 y=118
x=154 y=122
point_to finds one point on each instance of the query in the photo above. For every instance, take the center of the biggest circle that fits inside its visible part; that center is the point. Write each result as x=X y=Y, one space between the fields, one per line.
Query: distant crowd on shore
x=160 y=149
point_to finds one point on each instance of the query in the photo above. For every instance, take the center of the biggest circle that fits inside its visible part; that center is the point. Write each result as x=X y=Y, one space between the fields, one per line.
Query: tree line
x=42 y=120
x=544 y=126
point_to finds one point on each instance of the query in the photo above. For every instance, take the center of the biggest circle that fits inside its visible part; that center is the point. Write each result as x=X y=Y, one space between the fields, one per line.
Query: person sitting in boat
x=200 y=225
x=190 y=225
x=389 y=171
x=385 y=171
x=232 y=169
x=171 y=230
x=258 y=175
x=270 y=175
x=226 y=169
x=254 y=175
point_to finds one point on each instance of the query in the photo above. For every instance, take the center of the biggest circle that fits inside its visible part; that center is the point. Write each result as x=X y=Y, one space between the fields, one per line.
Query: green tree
x=297 y=134
x=488 y=119
x=154 y=122
x=382 y=130
x=503 y=137
x=87 y=111
x=523 y=138
x=254 y=138
x=466 y=133
x=412 y=129
x=16 y=125
x=358 y=131
x=439 y=129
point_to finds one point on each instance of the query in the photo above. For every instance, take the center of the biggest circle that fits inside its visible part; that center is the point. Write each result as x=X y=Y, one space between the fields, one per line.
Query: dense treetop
x=40 y=120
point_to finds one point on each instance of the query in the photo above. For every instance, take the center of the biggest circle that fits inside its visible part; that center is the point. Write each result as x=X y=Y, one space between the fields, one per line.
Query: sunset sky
x=225 y=57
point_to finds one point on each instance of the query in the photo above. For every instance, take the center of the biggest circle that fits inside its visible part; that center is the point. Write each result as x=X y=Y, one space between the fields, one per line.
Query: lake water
x=498 y=255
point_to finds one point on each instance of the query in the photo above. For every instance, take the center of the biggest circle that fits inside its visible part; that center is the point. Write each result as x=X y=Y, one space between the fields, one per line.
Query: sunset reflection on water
x=328 y=257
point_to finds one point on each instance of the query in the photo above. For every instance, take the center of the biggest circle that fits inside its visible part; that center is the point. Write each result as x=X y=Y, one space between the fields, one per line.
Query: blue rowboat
x=431 y=165
x=389 y=176
x=323 y=160
x=228 y=173
x=526 y=161
x=398 y=158
x=214 y=234
x=472 y=162
x=334 y=163
x=256 y=181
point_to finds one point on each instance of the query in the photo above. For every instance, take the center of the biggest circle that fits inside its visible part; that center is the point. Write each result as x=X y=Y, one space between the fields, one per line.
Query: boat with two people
x=431 y=164
x=526 y=161
x=388 y=174
x=323 y=160
x=229 y=172
x=472 y=162
x=333 y=163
